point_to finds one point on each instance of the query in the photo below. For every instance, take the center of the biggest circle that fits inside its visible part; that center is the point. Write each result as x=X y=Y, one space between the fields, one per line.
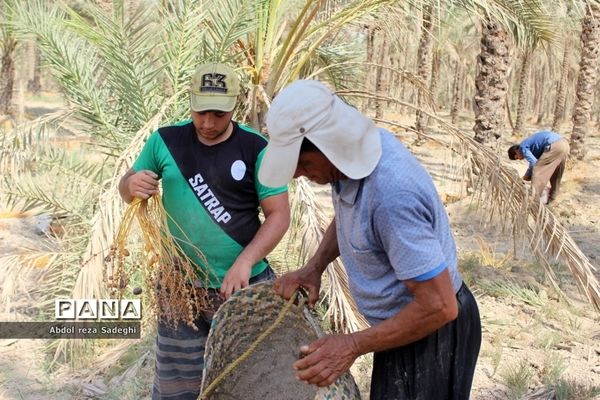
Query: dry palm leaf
x=168 y=272
x=90 y=282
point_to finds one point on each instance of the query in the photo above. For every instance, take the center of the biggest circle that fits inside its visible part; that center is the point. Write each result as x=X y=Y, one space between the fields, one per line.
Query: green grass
x=547 y=339
x=553 y=369
x=567 y=389
x=512 y=289
x=517 y=379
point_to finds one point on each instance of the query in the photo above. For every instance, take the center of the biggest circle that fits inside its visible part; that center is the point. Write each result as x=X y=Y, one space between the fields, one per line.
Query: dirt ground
x=521 y=336
x=538 y=337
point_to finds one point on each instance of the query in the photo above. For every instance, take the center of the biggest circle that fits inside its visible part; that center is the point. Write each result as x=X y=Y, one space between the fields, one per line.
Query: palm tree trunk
x=467 y=99
x=403 y=81
x=423 y=67
x=586 y=82
x=456 y=93
x=370 y=51
x=561 y=93
x=379 y=78
x=34 y=84
x=541 y=90
x=19 y=98
x=490 y=84
x=396 y=80
x=435 y=79
x=7 y=74
x=523 y=93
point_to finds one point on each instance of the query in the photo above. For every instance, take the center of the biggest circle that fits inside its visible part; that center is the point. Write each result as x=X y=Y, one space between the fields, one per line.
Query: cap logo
x=213 y=82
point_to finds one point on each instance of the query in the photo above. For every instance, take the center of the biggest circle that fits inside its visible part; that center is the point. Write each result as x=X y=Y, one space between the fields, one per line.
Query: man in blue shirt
x=546 y=152
x=393 y=235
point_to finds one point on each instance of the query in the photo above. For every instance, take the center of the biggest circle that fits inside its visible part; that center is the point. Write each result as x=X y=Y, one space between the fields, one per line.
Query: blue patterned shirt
x=392 y=227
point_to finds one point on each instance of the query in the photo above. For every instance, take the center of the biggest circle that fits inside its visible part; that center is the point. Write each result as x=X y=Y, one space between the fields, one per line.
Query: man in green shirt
x=208 y=167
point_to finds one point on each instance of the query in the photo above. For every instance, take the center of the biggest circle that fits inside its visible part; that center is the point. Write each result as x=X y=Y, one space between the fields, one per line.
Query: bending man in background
x=546 y=153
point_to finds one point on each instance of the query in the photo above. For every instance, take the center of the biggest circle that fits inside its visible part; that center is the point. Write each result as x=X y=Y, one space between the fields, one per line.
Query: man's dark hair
x=308 y=146
x=512 y=151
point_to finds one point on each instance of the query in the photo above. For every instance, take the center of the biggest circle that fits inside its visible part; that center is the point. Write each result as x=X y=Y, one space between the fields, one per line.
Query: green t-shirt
x=211 y=193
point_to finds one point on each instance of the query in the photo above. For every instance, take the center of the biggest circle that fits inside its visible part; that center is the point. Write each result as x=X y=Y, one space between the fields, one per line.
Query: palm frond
x=126 y=46
x=288 y=66
x=226 y=23
x=43 y=274
x=72 y=61
x=181 y=22
x=529 y=21
x=30 y=193
x=54 y=183
x=83 y=174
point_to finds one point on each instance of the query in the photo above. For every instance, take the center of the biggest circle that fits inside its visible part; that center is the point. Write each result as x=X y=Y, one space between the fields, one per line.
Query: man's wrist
x=317 y=264
x=355 y=345
x=365 y=341
x=243 y=262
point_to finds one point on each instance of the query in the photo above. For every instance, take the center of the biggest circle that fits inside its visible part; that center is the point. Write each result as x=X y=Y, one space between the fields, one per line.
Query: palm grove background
x=469 y=74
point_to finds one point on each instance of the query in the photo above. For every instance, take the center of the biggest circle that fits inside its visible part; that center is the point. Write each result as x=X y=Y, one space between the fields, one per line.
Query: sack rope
x=252 y=347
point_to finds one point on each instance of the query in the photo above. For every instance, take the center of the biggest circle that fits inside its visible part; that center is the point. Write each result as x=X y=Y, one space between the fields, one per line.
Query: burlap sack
x=267 y=371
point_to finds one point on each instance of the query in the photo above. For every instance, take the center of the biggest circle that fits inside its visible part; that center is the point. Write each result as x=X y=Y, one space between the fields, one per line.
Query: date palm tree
x=561 y=91
x=8 y=46
x=586 y=81
x=493 y=60
x=522 y=97
x=424 y=56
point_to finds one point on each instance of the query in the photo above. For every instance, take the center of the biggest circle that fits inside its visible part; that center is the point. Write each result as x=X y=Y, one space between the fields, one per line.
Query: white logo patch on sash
x=238 y=170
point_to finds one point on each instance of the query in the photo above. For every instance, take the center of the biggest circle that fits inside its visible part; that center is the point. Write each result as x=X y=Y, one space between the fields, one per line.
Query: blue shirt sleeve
x=433 y=273
x=526 y=151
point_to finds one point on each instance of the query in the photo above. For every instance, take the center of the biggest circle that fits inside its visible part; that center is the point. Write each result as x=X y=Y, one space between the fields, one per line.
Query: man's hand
x=307 y=277
x=237 y=277
x=326 y=359
x=526 y=178
x=143 y=184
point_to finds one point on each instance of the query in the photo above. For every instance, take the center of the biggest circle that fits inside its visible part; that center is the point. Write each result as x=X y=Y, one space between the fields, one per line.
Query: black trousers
x=437 y=367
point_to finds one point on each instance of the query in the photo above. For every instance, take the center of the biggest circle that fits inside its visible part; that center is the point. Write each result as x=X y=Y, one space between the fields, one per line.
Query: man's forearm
x=396 y=332
x=328 y=250
x=434 y=305
x=266 y=238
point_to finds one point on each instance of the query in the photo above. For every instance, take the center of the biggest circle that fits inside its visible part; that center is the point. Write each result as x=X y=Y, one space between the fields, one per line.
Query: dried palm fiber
x=253 y=342
x=168 y=273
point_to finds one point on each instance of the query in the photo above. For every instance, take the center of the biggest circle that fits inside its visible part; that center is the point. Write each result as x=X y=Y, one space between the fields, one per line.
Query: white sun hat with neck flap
x=307 y=108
